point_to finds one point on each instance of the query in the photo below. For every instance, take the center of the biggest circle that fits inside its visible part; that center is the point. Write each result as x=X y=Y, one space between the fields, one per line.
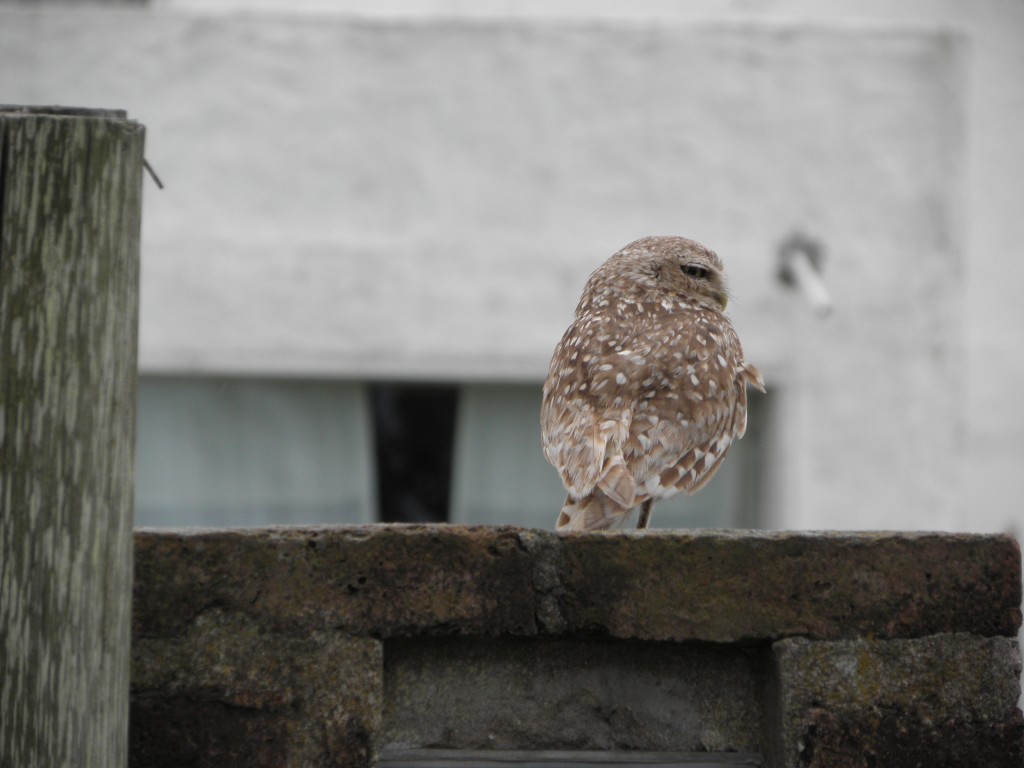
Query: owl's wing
x=585 y=446
x=695 y=454
x=585 y=420
x=696 y=410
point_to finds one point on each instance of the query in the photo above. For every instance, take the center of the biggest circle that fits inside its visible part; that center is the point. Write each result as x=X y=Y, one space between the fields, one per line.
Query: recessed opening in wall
x=414 y=428
x=556 y=701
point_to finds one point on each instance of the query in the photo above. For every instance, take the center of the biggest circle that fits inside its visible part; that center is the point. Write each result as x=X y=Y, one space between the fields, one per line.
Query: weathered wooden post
x=70 y=195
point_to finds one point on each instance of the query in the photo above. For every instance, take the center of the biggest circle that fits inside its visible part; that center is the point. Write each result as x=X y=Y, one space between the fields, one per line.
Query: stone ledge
x=720 y=586
x=729 y=586
x=367 y=580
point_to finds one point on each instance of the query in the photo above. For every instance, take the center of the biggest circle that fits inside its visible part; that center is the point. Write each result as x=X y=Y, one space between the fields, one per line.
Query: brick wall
x=325 y=646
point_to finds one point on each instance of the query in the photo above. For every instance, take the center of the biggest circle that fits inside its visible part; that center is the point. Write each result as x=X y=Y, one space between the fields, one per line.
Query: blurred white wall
x=419 y=189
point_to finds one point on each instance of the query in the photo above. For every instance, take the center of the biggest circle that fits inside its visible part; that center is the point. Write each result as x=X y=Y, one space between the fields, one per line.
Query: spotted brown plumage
x=647 y=388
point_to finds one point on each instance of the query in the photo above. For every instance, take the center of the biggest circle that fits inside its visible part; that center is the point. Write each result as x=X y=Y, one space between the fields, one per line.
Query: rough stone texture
x=729 y=586
x=230 y=692
x=709 y=585
x=883 y=738
x=320 y=645
x=951 y=695
x=381 y=580
x=546 y=551
x=467 y=693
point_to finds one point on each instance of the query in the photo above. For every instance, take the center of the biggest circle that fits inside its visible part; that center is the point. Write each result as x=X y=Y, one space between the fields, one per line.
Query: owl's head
x=653 y=268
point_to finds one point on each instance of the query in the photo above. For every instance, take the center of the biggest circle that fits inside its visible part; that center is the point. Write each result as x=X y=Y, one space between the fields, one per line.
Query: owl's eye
x=699 y=272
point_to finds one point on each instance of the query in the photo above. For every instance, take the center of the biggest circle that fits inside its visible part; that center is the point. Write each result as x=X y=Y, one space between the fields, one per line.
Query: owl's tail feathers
x=618 y=482
x=750 y=375
x=594 y=512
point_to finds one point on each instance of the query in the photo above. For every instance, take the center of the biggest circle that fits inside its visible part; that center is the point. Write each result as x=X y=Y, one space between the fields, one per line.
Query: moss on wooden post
x=70 y=195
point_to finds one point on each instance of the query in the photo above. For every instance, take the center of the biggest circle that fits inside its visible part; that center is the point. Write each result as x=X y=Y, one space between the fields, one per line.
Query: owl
x=648 y=387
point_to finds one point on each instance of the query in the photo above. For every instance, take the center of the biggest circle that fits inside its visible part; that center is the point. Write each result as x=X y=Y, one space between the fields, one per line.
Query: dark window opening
x=414 y=426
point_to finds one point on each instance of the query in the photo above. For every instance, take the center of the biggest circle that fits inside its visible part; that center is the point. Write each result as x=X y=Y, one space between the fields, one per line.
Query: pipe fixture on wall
x=800 y=265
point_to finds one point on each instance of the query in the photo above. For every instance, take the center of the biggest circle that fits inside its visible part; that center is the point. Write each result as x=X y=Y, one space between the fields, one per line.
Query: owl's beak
x=724 y=301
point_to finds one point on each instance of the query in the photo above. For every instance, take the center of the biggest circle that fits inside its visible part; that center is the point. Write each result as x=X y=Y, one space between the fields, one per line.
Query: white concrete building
x=415 y=192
